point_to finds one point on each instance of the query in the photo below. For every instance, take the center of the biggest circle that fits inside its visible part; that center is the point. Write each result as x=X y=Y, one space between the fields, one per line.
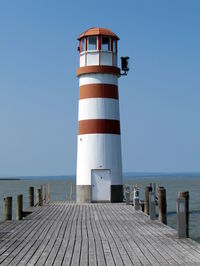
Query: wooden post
x=146 y=201
x=154 y=188
x=162 y=205
x=19 y=207
x=136 y=204
x=70 y=194
x=142 y=205
x=185 y=194
x=136 y=198
x=152 y=205
x=48 y=193
x=127 y=195
x=31 y=196
x=39 y=197
x=181 y=217
x=45 y=193
x=7 y=208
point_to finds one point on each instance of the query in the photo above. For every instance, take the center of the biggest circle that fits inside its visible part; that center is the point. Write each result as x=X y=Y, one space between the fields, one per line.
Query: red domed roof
x=98 y=31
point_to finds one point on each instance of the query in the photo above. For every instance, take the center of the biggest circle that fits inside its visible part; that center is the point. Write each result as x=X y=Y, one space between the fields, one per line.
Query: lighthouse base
x=84 y=193
x=116 y=193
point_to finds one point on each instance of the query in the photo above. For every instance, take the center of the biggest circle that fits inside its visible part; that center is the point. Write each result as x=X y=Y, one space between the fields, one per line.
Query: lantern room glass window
x=83 y=45
x=114 y=46
x=92 y=43
x=105 y=44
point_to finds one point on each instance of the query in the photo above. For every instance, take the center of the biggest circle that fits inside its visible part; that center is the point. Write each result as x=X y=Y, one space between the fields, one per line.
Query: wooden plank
x=134 y=252
x=109 y=235
x=78 y=240
x=105 y=243
x=70 y=247
x=105 y=212
x=99 y=248
x=92 y=253
x=58 y=238
x=85 y=241
x=62 y=251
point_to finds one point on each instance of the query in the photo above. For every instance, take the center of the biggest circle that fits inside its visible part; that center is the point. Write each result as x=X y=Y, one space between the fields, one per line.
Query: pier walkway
x=92 y=234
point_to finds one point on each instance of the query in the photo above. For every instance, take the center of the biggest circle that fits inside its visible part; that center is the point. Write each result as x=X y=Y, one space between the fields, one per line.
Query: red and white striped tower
x=99 y=163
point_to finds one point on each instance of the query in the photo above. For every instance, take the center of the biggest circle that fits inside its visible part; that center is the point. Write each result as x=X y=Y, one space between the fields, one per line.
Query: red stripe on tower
x=98 y=91
x=99 y=126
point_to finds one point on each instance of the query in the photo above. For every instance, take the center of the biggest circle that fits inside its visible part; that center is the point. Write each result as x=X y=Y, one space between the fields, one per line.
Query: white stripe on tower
x=98 y=108
x=98 y=78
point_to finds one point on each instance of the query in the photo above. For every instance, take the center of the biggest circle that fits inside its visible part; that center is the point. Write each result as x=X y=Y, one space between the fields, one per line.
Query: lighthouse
x=99 y=159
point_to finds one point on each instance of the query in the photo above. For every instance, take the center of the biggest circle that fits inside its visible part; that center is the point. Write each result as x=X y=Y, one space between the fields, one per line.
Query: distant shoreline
x=5 y=179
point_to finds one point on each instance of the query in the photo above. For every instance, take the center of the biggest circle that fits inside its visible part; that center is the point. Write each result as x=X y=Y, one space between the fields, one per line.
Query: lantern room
x=98 y=46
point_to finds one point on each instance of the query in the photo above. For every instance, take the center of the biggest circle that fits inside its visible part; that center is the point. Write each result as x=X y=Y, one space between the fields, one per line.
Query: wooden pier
x=92 y=234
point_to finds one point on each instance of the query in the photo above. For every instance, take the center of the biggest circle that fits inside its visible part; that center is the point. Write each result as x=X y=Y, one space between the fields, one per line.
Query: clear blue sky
x=159 y=99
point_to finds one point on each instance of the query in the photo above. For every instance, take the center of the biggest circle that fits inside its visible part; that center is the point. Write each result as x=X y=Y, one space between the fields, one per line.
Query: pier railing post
x=146 y=201
x=136 y=204
x=152 y=206
x=181 y=217
x=154 y=188
x=127 y=195
x=141 y=202
x=45 y=193
x=39 y=197
x=136 y=198
x=48 y=193
x=19 y=207
x=7 y=208
x=31 y=196
x=162 y=205
x=185 y=195
x=70 y=193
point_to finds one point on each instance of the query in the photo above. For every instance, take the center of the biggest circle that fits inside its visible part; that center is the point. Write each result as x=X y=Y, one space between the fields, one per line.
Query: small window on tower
x=92 y=43
x=83 y=45
x=114 y=46
x=105 y=44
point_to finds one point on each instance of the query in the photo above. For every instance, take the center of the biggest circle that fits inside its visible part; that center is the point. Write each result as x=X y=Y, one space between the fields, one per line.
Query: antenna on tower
x=124 y=65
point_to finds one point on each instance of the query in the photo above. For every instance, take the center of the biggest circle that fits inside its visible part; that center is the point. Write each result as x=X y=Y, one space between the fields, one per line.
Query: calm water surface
x=60 y=190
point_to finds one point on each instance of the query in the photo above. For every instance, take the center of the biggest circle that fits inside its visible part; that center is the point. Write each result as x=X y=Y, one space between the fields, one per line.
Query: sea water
x=60 y=191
